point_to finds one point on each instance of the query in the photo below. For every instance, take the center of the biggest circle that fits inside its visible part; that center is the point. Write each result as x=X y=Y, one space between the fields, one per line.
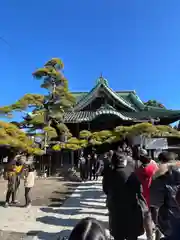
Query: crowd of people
x=142 y=195
x=13 y=175
x=93 y=165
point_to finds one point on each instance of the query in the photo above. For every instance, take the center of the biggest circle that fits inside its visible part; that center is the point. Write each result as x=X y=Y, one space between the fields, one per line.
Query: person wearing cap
x=145 y=174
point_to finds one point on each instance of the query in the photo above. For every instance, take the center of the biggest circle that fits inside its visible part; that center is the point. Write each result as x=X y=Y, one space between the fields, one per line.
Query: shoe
x=6 y=205
x=28 y=205
x=15 y=202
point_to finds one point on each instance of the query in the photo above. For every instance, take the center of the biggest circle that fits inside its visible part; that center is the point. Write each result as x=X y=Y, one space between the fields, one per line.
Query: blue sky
x=135 y=44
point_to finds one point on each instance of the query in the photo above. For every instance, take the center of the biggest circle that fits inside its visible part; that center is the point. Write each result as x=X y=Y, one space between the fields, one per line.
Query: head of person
x=81 y=153
x=13 y=167
x=143 y=156
x=119 y=149
x=88 y=229
x=166 y=157
x=31 y=168
x=111 y=152
x=118 y=160
x=18 y=162
x=124 y=145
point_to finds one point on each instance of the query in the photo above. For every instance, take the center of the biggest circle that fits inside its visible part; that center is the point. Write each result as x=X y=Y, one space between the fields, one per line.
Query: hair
x=145 y=159
x=118 y=159
x=31 y=168
x=166 y=157
x=88 y=229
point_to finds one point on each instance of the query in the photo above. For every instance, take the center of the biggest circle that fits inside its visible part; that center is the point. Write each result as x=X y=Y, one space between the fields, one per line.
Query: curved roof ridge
x=84 y=100
x=124 y=100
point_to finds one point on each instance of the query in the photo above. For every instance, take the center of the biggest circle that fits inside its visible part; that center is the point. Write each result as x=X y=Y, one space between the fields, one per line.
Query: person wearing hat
x=145 y=174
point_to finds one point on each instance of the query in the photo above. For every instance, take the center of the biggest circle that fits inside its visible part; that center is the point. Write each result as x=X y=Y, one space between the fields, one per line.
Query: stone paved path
x=52 y=223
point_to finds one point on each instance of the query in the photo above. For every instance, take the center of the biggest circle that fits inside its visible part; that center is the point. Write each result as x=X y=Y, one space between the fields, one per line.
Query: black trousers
x=18 y=181
x=10 y=193
x=27 y=196
x=92 y=173
x=83 y=173
x=126 y=238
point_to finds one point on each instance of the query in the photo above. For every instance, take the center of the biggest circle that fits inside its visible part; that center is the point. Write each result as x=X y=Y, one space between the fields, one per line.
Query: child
x=28 y=184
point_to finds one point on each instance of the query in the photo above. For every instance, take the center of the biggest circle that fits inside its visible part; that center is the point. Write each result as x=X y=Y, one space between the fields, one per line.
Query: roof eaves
x=87 y=116
x=137 y=101
x=126 y=91
x=123 y=101
x=85 y=100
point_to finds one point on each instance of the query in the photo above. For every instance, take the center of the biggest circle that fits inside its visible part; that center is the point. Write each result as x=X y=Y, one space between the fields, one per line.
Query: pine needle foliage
x=86 y=138
x=47 y=110
x=11 y=135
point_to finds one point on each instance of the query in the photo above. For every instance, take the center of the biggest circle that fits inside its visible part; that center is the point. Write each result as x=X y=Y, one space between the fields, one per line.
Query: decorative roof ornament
x=106 y=107
x=102 y=80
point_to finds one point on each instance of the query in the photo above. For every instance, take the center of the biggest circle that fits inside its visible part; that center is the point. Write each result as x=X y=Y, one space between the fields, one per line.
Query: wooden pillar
x=72 y=159
x=61 y=157
x=89 y=126
x=77 y=129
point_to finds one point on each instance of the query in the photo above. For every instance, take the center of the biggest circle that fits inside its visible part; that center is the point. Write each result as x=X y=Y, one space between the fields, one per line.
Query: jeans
x=27 y=197
x=148 y=225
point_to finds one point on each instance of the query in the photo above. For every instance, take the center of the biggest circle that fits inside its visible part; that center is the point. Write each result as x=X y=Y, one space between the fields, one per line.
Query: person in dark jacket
x=106 y=162
x=82 y=166
x=164 y=187
x=88 y=161
x=125 y=202
x=99 y=167
x=92 y=166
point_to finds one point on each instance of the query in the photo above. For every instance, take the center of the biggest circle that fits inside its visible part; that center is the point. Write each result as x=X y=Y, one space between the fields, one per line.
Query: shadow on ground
x=58 y=197
x=85 y=202
x=50 y=236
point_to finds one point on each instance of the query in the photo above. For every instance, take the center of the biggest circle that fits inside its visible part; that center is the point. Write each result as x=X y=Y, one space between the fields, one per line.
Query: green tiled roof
x=128 y=96
x=87 y=116
x=83 y=99
x=136 y=109
x=155 y=114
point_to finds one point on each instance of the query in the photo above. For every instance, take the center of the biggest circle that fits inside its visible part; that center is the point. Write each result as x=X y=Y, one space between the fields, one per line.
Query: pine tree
x=46 y=119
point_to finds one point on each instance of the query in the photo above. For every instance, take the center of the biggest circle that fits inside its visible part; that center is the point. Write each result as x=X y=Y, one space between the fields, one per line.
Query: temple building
x=103 y=108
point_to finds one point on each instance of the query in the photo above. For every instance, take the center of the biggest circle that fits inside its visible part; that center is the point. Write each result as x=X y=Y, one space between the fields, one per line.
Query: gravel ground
x=46 y=192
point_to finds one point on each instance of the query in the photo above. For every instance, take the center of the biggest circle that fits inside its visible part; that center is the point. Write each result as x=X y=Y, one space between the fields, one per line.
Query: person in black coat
x=125 y=202
x=92 y=166
x=99 y=167
x=82 y=166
